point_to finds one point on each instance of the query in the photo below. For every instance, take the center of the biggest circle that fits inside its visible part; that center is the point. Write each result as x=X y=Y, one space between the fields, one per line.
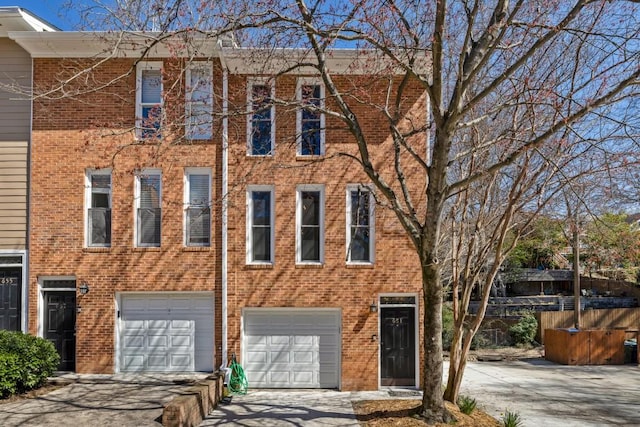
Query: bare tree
x=517 y=93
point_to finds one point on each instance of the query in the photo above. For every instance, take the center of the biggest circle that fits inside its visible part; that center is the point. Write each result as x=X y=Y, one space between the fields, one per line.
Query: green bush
x=25 y=362
x=467 y=404
x=511 y=419
x=523 y=333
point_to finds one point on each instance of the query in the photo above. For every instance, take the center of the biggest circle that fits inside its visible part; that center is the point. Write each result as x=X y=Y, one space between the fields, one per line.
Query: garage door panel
x=291 y=349
x=162 y=333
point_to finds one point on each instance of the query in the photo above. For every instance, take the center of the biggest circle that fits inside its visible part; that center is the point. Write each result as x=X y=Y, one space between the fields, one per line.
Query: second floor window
x=199 y=101
x=149 y=99
x=148 y=209
x=310 y=120
x=360 y=226
x=260 y=124
x=198 y=207
x=310 y=224
x=260 y=224
x=99 y=208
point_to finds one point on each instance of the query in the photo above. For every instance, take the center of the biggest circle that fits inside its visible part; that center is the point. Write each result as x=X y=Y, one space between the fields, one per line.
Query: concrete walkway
x=98 y=400
x=546 y=394
x=308 y=408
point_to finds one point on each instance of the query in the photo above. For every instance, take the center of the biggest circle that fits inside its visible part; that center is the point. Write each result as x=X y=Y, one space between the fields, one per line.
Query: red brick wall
x=94 y=131
x=334 y=284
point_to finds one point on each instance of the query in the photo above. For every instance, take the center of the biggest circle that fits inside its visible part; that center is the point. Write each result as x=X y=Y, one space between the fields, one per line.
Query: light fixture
x=373 y=308
x=84 y=288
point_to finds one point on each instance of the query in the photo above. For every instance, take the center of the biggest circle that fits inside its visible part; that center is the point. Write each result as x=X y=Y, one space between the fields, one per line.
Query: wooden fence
x=618 y=318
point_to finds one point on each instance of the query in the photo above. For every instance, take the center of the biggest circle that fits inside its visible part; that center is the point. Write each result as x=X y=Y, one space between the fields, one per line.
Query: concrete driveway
x=546 y=394
x=308 y=408
x=98 y=400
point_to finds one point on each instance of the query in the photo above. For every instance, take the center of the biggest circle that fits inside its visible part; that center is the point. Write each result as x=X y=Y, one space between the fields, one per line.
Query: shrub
x=25 y=362
x=511 y=419
x=467 y=404
x=523 y=333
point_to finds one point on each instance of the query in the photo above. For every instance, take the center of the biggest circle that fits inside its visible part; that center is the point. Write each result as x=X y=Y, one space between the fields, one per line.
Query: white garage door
x=166 y=332
x=291 y=348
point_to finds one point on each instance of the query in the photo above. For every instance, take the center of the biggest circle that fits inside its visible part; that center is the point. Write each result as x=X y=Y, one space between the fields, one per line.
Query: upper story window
x=310 y=118
x=197 y=215
x=98 y=208
x=148 y=99
x=199 y=101
x=260 y=224
x=310 y=224
x=148 y=203
x=260 y=118
x=360 y=225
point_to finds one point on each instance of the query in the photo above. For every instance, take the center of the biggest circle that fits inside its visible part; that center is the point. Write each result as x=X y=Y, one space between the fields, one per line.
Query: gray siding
x=15 y=119
x=13 y=195
x=15 y=109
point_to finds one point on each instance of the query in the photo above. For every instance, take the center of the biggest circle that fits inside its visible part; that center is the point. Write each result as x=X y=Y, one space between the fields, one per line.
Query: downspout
x=225 y=207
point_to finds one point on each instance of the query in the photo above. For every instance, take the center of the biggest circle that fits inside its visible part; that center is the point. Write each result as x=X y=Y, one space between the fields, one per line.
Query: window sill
x=196 y=249
x=255 y=266
x=147 y=249
x=309 y=265
x=310 y=158
x=96 y=249
x=260 y=156
x=360 y=265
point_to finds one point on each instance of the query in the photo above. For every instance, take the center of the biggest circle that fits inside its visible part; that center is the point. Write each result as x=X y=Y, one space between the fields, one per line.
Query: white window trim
x=249 y=224
x=87 y=203
x=208 y=68
x=187 y=204
x=372 y=220
x=299 y=190
x=145 y=65
x=136 y=205
x=306 y=81
x=251 y=82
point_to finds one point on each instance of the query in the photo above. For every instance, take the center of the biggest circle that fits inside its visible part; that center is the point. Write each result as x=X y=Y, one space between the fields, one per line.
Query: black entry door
x=398 y=345
x=10 y=298
x=60 y=326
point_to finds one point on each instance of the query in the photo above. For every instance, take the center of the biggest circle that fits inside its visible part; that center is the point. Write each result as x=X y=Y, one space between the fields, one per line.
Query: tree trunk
x=433 y=409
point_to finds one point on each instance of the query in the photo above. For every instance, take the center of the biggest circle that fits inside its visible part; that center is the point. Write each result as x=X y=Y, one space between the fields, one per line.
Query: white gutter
x=225 y=207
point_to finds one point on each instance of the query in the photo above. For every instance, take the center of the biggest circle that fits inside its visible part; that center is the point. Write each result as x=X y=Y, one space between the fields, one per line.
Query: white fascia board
x=255 y=61
x=70 y=44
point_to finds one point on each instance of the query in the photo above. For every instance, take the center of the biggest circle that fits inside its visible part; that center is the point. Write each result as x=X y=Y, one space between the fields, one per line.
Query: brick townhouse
x=180 y=215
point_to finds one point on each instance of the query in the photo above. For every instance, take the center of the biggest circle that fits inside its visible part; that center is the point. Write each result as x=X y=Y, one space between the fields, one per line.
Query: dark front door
x=398 y=346
x=10 y=298
x=60 y=326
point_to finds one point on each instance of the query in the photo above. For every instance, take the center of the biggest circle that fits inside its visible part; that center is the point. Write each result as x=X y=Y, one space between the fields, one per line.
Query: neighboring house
x=15 y=120
x=167 y=247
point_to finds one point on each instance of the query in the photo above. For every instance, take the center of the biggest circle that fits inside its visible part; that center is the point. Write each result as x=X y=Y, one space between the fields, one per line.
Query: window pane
x=360 y=208
x=151 y=86
x=261 y=207
x=149 y=227
x=99 y=226
x=261 y=239
x=199 y=189
x=360 y=244
x=199 y=122
x=310 y=138
x=150 y=191
x=310 y=250
x=310 y=207
x=261 y=137
x=200 y=86
x=199 y=226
